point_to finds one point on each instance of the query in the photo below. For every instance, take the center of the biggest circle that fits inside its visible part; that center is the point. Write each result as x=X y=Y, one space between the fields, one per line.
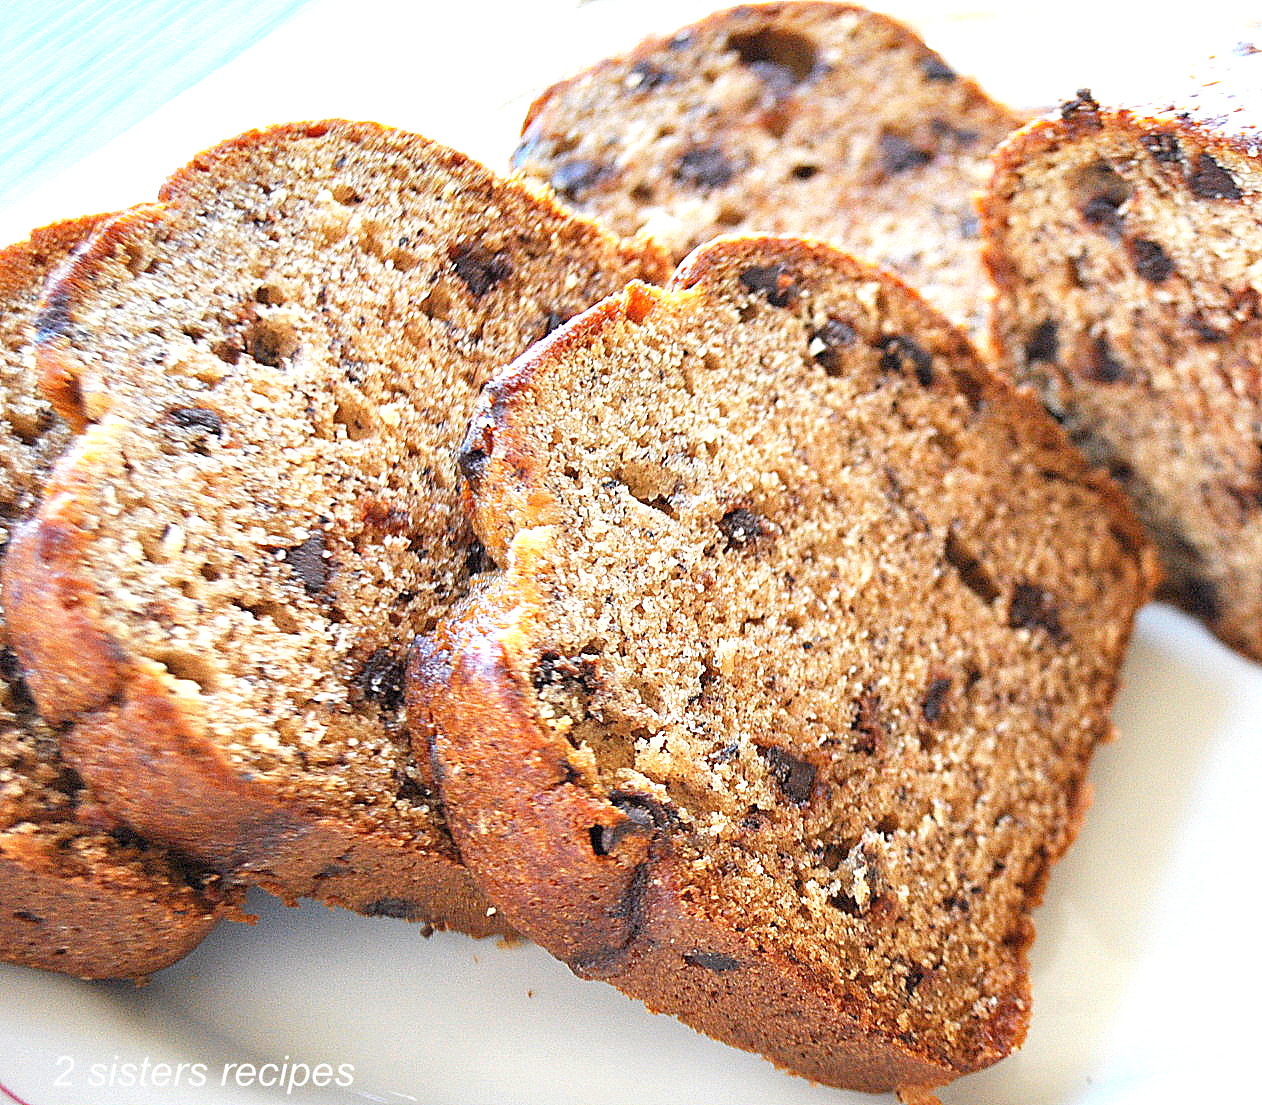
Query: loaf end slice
x=818 y=119
x=74 y=897
x=273 y=366
x=780 y=708
x=1125 y=245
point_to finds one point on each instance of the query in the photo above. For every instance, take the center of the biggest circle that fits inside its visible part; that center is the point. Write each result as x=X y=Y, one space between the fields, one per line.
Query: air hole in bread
x=355 y=416
x=190 y=667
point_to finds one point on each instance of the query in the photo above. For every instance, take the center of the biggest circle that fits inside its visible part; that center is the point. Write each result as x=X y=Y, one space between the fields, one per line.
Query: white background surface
x=1146 y=969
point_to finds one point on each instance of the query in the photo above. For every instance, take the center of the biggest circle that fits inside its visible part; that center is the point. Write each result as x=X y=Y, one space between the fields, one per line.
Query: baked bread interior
x=1126 y=245
x=272 y=367
x=74 y=897
x=820 y=119
x=780 y=708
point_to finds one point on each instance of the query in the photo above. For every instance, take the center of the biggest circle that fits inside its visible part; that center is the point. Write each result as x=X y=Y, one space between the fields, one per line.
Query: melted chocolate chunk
x=1210 y=181
x=706 y=167
x=773 y=281
x=782 y=58
x=829 y=340
x=794 y=776
x=711 y=961
x=1044 y=343
x=933 y=703
x=479 y=268
x=380 y=680
x=309 y=563
x=1203 y=330
x=1034 y=608
x=898 y=155
x=741 y=527
x=53 y=319
x=901 y=354
x=404 y=909
x=575 y=179
x=1151 y=261
x=1163 y=146
x=476 y=558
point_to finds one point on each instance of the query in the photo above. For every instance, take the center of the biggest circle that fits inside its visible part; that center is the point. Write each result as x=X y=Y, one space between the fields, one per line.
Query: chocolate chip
x=1203 y=330
x=476 y=558
x=804 y=172
x=641 y=810
x=829 y=340
x=479 y=268
x=472 y=462
x=1163 y=146
x=962 y=136
x=774 y=281
x=380 y=680
x=914 y=978
x=1103 y=366
x=901 y=354
x=711 y=961
x=794 y=776
x=1102 y=211
x=1210 y=181
x=574 y=179
x=1034 y=608
x=1201 y=599
x=404 y=909
x=971 y=570
x=1151 y=261
x=780 y=57
x=931 y=706
x=705 y=167
x=1044 y=343
x=1082 y=113
x=555 y=670
x=868 y=725
x=197 y=418
x=552 y=320
x=645 y=76
x=935 y=69
x=898 y=154
x=741 y=526
x=308 y=562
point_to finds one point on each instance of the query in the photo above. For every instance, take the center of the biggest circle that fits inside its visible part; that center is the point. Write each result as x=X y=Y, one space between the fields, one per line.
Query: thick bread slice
x=781 y=707
x=818 y=119
x=1126 y=244
x=275 y=365
x=73 y=897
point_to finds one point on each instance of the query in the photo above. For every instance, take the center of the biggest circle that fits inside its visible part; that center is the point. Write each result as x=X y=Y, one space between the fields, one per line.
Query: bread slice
x=73 y=897
x=1126 y=244
x=819 y=119
x=781 y=706
x=274 y=365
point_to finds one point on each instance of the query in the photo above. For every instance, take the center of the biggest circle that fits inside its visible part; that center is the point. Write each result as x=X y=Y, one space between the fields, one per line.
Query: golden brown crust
x=607 y=890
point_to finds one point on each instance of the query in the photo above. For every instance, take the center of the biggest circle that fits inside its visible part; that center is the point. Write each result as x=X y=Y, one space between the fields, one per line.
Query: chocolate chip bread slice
x=275 y=365
x=802 y=118
x=780 y=709
x=1126 y=244
x=73 y=898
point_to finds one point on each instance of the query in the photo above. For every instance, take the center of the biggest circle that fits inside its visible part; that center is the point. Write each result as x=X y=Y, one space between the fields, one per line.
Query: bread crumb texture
x=828 y=616
x=813 y=118
x=73 y=898
x=1125 y=246
x=274 y=365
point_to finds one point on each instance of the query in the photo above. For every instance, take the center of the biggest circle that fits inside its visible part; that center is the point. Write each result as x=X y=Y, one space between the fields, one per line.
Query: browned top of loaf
x=780 y=709
x=68 y=892
x=819 y=119
x=1124 y=243
x=274 y=365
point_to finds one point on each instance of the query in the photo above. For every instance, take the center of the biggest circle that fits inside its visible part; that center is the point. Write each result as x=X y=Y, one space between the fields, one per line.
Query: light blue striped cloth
x=76 y=73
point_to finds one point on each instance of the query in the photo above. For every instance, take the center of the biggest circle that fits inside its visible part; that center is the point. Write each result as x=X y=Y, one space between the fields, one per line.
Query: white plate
x=1145 y=971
